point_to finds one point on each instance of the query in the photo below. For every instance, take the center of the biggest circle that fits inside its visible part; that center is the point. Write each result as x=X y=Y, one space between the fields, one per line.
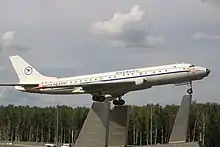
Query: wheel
x=190 y=91
x=121 y=102
x=115 y=102
x=95 y=98
x=118 y=102
x=101 y=99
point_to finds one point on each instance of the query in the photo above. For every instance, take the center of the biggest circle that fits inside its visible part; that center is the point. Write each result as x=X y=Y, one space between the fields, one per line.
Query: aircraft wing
x=84 y=85
x=98 y=85
x=106 y=85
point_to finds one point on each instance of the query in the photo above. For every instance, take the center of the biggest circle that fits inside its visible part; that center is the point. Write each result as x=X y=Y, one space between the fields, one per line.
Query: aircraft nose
x=207 y=71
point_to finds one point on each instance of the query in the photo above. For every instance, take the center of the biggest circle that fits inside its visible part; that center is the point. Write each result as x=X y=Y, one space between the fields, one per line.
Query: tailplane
x=25 y=72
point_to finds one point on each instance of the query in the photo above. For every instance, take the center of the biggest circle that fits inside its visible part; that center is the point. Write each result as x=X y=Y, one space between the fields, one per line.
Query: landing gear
x=98 y=98
x=190 y=90
x=119 y=102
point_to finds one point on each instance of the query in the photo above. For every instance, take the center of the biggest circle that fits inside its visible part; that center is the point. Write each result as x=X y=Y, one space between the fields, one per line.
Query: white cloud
x=202 y=35
x=128 y=29
x=118 y=21
x=8 y=41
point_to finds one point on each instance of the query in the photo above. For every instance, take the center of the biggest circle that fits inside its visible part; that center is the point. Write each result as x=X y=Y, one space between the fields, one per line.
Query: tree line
x=149 y=124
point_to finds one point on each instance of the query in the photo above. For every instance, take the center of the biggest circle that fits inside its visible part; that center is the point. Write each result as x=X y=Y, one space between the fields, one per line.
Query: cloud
x=58 y=30
x=8 y=41
x=202 y=35
x=2 y=68
x=214 y=2
x=128 y=29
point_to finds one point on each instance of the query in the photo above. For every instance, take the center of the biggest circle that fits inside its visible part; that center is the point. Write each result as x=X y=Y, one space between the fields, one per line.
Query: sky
x=75 y=37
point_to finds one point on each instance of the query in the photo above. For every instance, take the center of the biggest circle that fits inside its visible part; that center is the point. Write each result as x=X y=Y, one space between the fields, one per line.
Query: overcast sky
x=74 y=37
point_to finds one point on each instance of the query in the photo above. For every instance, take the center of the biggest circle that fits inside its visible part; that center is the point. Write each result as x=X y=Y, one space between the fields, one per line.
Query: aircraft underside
x=114 y=94
x=117 y=99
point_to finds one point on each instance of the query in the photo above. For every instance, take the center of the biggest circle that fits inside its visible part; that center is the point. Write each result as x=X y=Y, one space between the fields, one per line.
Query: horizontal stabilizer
x=18 y=84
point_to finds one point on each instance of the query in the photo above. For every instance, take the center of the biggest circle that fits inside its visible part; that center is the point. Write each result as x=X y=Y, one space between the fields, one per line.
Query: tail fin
x=25 y=72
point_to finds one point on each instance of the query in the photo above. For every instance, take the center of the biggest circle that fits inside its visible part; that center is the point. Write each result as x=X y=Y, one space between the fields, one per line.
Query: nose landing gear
x=190 y=90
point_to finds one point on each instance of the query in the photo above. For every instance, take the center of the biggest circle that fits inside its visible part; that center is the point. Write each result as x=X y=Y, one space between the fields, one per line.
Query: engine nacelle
x=139 y=81
x=20 y=88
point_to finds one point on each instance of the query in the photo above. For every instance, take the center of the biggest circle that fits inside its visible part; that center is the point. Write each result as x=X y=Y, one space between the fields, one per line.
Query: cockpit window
x=192 y=65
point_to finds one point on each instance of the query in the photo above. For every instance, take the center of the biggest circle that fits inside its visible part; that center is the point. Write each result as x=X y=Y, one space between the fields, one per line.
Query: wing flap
x=100 y=85
x=89 y=85
x=107 y=86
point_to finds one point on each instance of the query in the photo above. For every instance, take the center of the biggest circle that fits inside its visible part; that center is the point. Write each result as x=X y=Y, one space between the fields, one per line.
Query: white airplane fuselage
x=143 y=78
x=105 y=86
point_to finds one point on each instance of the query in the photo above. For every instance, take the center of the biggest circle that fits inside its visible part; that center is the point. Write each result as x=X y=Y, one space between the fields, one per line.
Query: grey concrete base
x=104 y=127
x=93 y=132
x=118 y=125
x=180 y=126
x=185 y=144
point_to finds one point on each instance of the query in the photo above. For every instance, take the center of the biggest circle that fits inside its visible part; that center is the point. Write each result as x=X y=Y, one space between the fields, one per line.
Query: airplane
x=109 y=86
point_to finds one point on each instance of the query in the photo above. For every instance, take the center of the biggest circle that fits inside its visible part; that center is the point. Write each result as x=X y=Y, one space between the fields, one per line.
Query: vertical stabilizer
x=25 y=72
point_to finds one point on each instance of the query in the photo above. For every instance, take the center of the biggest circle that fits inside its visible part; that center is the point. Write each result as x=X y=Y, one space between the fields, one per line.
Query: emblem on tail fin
x=28 y=70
